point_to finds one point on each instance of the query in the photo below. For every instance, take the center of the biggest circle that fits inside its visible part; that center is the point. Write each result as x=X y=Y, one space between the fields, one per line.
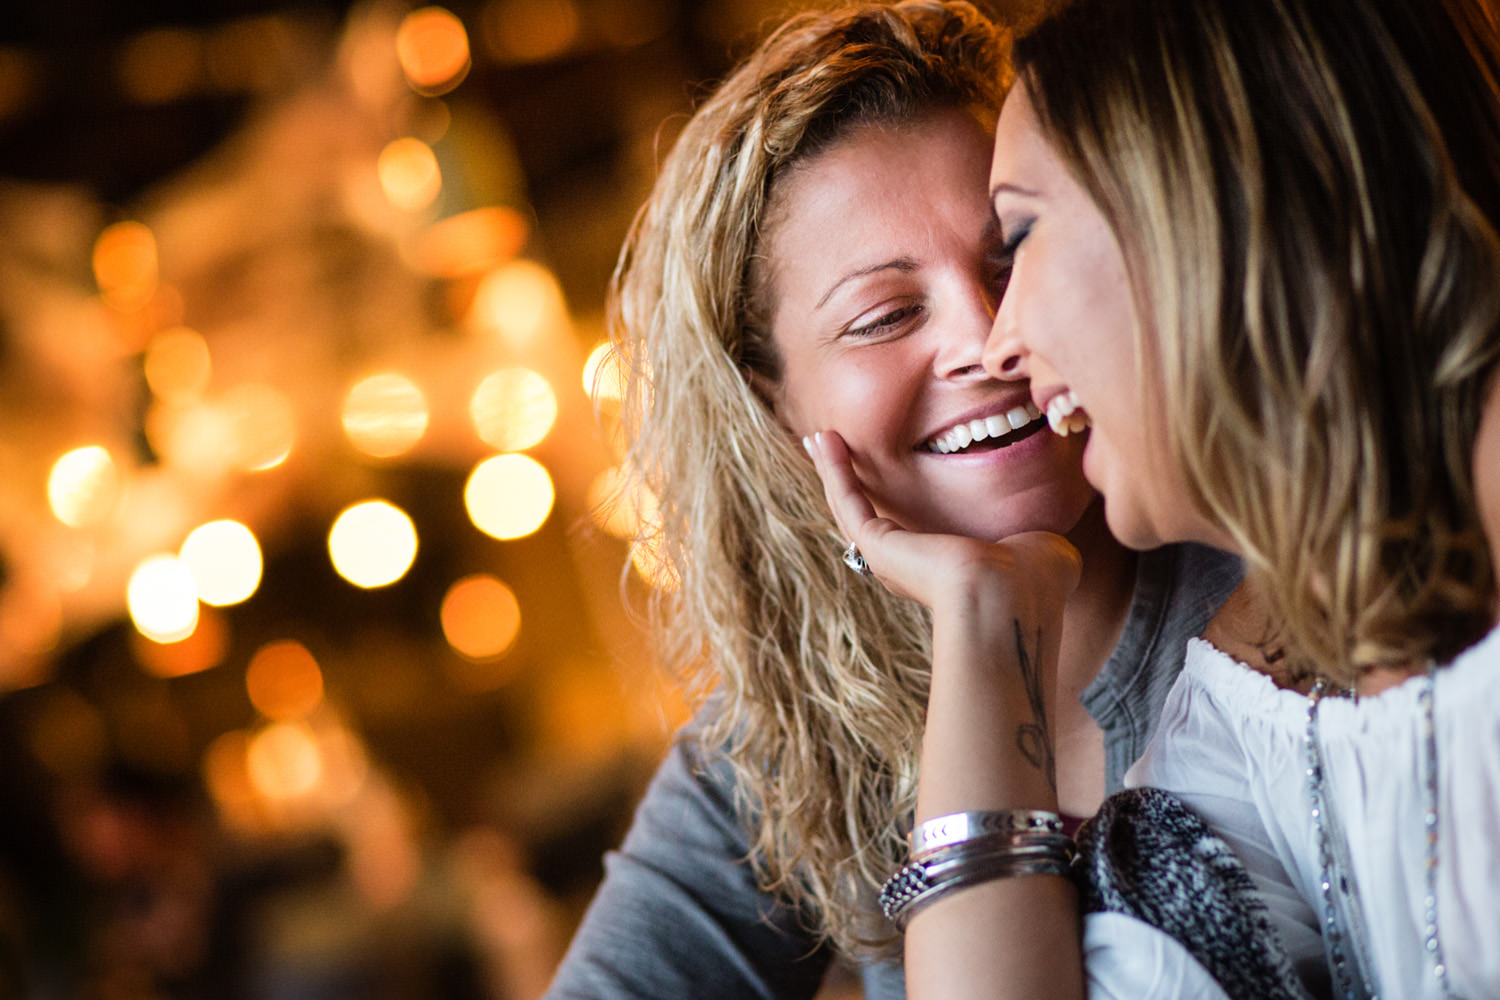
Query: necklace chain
x=1340 y=950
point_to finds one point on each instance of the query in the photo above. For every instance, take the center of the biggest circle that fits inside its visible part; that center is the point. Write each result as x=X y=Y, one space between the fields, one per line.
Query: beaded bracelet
x=919 y=884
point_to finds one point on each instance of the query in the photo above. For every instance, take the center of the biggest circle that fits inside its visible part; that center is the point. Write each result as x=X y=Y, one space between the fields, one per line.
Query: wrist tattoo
x=1033 y=738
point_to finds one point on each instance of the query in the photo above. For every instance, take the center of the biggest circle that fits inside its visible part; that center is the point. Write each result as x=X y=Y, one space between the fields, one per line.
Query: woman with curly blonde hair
x=818 y=253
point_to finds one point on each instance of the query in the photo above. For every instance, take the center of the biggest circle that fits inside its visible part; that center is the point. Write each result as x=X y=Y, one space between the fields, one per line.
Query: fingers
x=852 y=509
x=935 y=568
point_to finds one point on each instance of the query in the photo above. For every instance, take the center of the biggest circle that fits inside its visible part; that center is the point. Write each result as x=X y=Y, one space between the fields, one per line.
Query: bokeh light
x=205 y=648
x=513 y=409
x=225 y=560
x=67 y=733
x=619 y=510
x=520 y=303
x=372 y=544
x=177 y=365
x=628 y=23
x=163 y=599
x=161 y=65
x=83 y=487
x=125 y=265
x=284 y=761
x=433 y=49
x=509 y=496
x=263 y=425
x=409 y=174
x=284 y=681
x=469 y=242
x=226 y=774
x=195 y=437
x=529 y=30
x=603 y=375
x=385 y=414
x=31 y=618
x=481 y=617
x=648 y=563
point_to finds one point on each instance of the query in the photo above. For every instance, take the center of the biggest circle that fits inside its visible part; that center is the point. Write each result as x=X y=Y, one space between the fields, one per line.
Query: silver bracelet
x=999 y=843
x=920 y=884
x=958 y=827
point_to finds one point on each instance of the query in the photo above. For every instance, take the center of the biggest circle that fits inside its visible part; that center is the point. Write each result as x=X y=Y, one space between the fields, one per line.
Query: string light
x=177 y=365
x=125 y=265
x=509 y=496
x=373 y=543
x=481 y=617
x=603 y=375
x=409 y=174
x=225 y=561
x=433 y=49
x=83 y=486
x=385 y=415
x=284 y=681
x=163 y=599
x=513 y=409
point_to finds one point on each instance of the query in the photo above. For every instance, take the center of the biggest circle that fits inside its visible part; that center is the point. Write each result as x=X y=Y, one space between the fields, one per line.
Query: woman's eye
x=885 y=322
x=1011 y=239
x=997 y=264
x=1000 y=253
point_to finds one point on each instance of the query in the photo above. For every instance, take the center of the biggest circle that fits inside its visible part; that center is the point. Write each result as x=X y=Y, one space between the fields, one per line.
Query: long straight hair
x=1306 y=195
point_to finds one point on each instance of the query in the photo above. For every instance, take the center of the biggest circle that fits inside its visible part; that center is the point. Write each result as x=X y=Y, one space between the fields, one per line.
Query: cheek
x=858 y=396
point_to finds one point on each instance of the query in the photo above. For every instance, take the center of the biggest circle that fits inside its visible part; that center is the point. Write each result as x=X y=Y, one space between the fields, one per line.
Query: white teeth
x=960 y=436
x=1065 y=416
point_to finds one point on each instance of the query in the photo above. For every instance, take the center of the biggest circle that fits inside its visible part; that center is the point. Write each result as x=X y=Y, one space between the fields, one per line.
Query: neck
x=1092 y=624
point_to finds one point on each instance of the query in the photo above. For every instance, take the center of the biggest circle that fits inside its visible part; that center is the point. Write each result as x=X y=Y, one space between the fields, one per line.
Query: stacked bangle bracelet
x=964 y=849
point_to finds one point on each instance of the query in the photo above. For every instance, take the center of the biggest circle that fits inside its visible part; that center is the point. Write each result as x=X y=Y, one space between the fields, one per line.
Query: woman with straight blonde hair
x=818 y=253
x=1253 y=252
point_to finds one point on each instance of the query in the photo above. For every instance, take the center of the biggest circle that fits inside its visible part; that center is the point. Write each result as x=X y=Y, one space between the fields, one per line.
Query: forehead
x=881 y=154
x=880 y=184
x=1021 y=149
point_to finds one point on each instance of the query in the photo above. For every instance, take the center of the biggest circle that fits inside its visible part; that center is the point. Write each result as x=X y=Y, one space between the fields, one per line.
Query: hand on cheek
x=942 y=571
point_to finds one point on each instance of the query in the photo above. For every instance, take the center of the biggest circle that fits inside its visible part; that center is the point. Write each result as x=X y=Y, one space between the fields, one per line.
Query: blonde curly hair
x=1306 y=193
x=819 y=678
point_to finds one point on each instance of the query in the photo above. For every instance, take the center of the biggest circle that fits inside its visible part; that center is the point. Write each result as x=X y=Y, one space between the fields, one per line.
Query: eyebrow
x=1004 y=187
x=903 y=264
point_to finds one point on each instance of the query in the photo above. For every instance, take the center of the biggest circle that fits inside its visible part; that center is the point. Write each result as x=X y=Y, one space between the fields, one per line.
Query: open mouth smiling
x=986 y=433
x=1065 y=416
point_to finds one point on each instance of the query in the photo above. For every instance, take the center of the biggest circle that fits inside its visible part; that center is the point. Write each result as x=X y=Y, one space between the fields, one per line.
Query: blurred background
x=318 y=674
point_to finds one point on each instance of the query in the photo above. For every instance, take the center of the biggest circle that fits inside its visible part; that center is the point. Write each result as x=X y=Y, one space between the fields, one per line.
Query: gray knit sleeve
x=678 y=913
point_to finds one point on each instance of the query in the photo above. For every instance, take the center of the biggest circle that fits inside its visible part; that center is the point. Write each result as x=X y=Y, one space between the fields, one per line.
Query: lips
x=994 y=431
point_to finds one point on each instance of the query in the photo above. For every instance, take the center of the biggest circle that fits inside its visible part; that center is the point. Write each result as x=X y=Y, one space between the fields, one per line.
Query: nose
x=960 y=354
x=1005 y=355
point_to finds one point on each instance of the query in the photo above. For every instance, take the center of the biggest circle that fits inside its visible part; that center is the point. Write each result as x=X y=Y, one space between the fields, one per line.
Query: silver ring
x=855 y=561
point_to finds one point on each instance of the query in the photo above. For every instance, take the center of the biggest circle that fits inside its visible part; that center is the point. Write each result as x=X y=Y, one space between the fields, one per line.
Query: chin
x=1059 y=515
x=1132 y=530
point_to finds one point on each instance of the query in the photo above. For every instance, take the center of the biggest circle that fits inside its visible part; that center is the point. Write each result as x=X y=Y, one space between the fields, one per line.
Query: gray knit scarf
x=1149 y=856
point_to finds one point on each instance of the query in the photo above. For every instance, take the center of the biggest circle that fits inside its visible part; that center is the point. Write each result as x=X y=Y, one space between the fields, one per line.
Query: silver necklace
x=1342 y=951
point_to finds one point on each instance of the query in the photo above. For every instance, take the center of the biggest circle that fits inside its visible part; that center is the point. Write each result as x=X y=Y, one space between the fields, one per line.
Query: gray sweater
x=679 y=913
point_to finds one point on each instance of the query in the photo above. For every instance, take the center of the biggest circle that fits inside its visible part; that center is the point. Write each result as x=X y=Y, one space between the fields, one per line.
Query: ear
x=769 y=391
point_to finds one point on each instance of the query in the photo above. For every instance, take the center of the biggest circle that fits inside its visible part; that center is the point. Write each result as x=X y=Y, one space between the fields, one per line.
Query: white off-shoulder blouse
x=1232 y=746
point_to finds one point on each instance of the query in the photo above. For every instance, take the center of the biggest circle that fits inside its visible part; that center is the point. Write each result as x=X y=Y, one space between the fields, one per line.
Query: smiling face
x=1067 y=320
x=882 y=288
